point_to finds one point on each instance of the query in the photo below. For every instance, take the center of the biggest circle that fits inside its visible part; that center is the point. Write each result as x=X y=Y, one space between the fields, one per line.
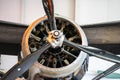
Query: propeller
x=24 y=64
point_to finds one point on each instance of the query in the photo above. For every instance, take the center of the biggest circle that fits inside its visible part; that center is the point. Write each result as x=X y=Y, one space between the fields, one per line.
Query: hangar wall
x=10 y=10
x=26 y=11
x=97 y=11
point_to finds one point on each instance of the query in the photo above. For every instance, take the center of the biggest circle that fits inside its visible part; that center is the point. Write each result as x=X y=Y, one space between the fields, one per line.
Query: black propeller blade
x=24 y=65
x=49 y=10
x=95 y=52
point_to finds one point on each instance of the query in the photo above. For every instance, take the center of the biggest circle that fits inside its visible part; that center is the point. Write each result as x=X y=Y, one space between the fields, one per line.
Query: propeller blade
x=95 y=52
x=49 y=10
x=24 y=64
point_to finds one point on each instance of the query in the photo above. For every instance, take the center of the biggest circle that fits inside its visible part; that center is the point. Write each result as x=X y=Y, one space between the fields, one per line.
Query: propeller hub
x=55 y=38
x=56 y=34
